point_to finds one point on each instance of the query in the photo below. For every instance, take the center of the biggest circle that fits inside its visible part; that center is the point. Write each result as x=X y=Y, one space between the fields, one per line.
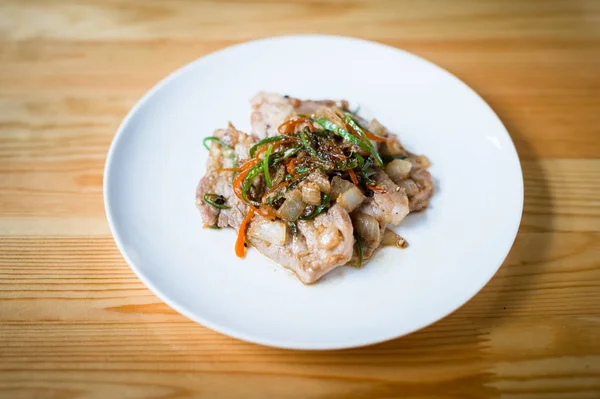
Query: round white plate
x=456 y=246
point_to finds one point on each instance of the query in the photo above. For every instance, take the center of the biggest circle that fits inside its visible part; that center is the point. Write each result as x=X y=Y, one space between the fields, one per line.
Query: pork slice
x=220 y=182
x=419 y=187
x=320 y=245
x=308 y=107
x=271 y=110
x=418 y=184
x=388 y=207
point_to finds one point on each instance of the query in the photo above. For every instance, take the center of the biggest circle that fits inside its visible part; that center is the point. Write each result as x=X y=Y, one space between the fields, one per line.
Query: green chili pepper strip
x=216 y=200
x=285 y=154
x=266 y=166
x=307 y=145
x=254 y=171
x=327 y=124
x=318 y=209
x=365 y=144
x=265 y=141
x=360 y=249
x=362 y=134
x=212 y=138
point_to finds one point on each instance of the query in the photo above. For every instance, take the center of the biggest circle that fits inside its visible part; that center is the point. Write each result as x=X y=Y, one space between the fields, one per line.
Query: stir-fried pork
x=303 y=177
x=320 y=245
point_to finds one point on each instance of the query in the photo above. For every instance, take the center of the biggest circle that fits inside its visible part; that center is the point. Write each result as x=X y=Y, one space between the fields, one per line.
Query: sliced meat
x=419 y=188
x=363 y=222
x=389 y=207
x=220 y=182
x=320 y=245
x=271 y=110
x=308 y=107
x=419 y=184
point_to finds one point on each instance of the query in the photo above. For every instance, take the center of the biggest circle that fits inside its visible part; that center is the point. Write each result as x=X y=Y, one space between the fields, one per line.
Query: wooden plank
x=72 y=310
x=76 y=322
x=547 y=107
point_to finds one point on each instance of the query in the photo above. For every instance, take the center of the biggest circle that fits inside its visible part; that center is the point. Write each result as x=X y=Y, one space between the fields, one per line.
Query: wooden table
x=76 y=323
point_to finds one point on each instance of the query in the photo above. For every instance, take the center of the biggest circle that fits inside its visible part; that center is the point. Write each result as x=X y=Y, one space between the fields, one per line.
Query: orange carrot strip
x=240 y=244
x=353 y=176
x=369 y=135
x=377 y=189
x=262 y=149
x=373 y=137
x=237 y=182
x=289 y=126
x=291 y=166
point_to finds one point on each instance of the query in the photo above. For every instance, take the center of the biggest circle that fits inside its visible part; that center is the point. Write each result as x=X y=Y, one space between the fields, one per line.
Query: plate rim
x=251 y=338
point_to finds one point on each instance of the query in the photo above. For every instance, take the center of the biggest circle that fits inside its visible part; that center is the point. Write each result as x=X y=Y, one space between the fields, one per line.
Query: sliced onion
x=367 y=227
x=273 y=232
x=377 y=128
x=422 y=161
x=398 y=169
x=329 y=114
x=409 y=186
x=292 y=207
x=321 y=180
x=351 y=199
x=338 y=186
x=393 y=147
x=392 y=239
x=311 y=194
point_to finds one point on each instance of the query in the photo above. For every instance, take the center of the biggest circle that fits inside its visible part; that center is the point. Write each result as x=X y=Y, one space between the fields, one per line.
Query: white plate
x=456 y=246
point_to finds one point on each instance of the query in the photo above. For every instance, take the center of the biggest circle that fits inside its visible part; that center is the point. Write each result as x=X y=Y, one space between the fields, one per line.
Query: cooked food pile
x=313 y=187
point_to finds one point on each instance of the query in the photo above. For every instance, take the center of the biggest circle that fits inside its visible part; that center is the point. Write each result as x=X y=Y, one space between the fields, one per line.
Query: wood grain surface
x=76 y=323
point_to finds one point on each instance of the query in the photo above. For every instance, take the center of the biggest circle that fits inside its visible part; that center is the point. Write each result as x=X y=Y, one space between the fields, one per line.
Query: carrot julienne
x=289 y=126
x=290 y=167
x=373 y=137
x=237 y=182
x=240 y=244
x=353 y=176
x=377 y=189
